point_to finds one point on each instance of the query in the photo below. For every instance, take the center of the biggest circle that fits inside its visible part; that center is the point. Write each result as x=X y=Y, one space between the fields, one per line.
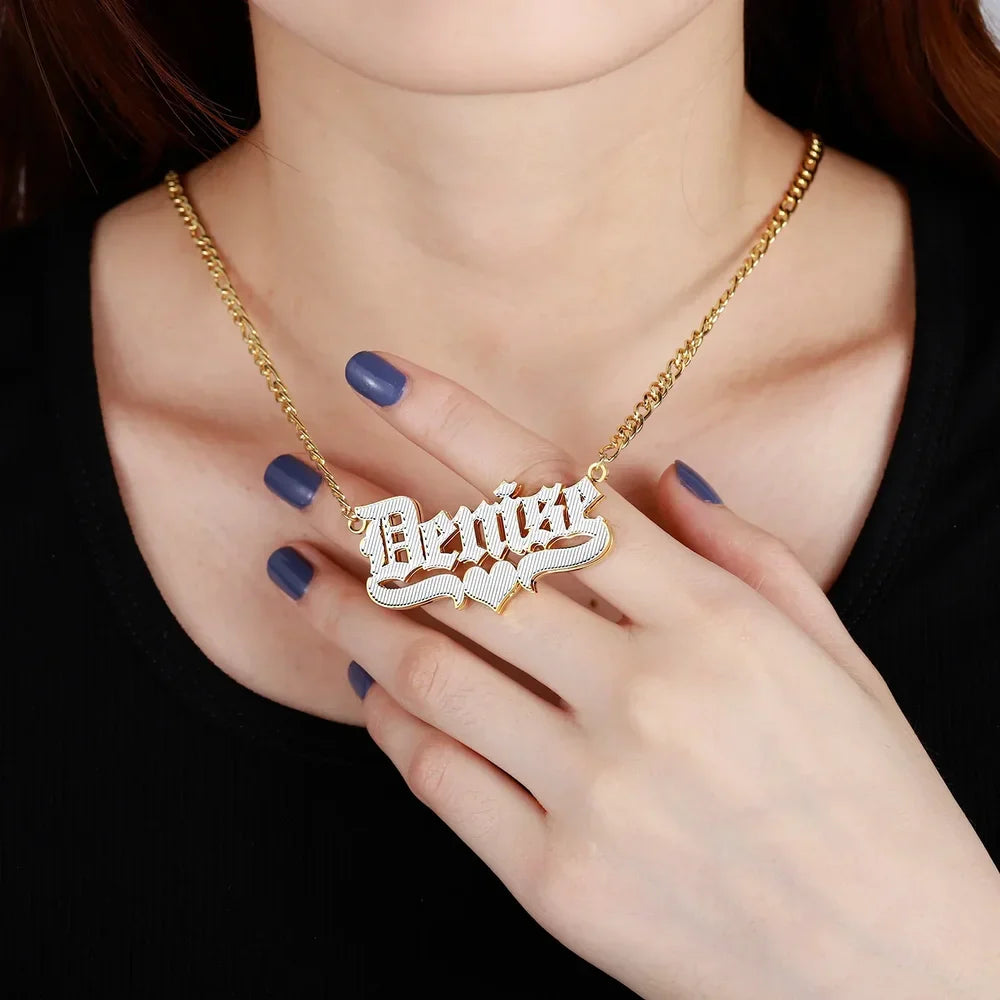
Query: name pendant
x=414 y=561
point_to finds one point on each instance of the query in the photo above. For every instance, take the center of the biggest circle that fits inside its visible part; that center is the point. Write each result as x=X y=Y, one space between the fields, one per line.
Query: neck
x=588 y=210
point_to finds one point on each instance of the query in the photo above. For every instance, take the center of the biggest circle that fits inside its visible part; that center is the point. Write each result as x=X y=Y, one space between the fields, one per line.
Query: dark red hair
x=101 y=95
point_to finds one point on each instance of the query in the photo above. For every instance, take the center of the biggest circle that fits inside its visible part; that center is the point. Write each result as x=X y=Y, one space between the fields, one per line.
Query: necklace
x=413 y=560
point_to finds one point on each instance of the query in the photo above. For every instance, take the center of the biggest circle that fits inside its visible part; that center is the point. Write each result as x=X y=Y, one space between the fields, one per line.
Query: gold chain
x=627 y=430
x=664 y=382
x=255 y=345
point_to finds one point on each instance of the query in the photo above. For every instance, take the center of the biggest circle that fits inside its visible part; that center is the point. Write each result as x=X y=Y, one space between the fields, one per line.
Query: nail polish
x=695 y=483
x=359 y=679
x=289 y=571
x=374 y=378
x=291 y=479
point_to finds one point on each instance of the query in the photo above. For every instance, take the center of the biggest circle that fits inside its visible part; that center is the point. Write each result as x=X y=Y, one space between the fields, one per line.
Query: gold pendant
x=400 y=545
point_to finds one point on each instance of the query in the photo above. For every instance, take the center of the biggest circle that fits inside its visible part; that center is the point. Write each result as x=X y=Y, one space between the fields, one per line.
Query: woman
x=751 y=751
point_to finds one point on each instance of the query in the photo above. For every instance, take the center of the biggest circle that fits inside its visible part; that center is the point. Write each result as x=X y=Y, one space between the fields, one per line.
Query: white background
x=992 y=10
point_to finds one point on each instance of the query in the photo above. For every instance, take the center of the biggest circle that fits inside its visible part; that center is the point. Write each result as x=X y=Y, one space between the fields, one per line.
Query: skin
x=539 y=202
x=726 y=800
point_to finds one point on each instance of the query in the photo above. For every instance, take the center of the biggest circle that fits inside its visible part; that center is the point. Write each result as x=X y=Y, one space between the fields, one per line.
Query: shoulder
x=44 y=275
x=930 y=232
x=43 y=312
x=58 y=274
x=956 y=367
x=23 y=271
x=955 y=227
x=30 y=281
x=44 y=306
x=147 y=285
x=41 y=261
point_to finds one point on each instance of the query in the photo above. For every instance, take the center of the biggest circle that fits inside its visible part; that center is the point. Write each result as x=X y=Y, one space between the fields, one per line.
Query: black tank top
x=168 y=832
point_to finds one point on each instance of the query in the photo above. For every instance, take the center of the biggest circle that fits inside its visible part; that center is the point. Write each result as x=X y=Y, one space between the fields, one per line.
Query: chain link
x=684 y=355
x=255 y=345
x=627 y=430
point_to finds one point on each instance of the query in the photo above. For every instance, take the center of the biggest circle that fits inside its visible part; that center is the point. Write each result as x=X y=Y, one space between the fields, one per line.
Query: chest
x=798 y=453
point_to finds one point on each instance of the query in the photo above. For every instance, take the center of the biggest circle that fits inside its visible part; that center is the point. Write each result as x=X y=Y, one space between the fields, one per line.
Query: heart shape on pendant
x=495 y=587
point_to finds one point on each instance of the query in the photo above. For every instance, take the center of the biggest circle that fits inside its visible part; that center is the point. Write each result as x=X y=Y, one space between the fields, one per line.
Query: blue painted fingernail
x=374 y=378
x=289 y=571
x=293 y=480
x=360 y=679
x=693 y=482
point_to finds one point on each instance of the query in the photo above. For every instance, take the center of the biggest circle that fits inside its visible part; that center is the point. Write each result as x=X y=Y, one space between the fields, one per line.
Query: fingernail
x=293 y=480
x=375 y=378
x=360 y=679
x=289 y=571
x=695 y=483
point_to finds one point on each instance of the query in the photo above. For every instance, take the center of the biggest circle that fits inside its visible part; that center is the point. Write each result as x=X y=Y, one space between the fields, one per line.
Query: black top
x=168 y=832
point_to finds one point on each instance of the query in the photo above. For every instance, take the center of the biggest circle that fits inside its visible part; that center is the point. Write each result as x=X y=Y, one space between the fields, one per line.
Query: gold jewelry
x=401 y=546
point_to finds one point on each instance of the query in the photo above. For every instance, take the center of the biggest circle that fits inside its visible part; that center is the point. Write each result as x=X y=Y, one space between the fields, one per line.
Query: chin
x=482 y=46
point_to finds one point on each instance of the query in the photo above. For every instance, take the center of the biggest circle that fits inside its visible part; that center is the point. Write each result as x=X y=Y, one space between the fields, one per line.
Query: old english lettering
x=401 y=546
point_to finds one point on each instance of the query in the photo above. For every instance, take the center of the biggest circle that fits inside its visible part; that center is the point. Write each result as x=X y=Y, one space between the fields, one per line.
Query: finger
x=433 y=677
x=483 y=445
x=546 y=635
x=762 y=561
x=494 y=816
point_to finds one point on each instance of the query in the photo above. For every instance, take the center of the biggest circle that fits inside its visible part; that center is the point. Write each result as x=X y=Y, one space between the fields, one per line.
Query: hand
x=726 y=802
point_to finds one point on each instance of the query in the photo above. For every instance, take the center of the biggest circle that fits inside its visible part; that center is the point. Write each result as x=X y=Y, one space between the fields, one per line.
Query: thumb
x=691 y=511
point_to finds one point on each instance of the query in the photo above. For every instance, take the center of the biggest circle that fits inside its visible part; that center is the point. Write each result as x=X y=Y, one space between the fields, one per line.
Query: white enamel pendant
x=402 y=546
